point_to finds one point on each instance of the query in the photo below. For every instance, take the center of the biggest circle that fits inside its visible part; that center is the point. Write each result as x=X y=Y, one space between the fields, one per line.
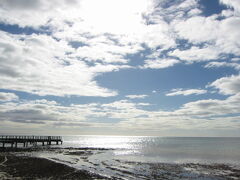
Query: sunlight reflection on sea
x=163 y=149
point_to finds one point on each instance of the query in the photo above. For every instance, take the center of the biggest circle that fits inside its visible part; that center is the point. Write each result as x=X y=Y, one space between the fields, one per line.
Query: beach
x=46 y=163
x=15 y=166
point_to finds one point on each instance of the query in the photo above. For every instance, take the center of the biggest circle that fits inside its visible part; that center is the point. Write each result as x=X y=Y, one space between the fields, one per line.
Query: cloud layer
x=127 y=115
x=61 y=47
x=8 y=97
x=175 y=92
x=78 y=41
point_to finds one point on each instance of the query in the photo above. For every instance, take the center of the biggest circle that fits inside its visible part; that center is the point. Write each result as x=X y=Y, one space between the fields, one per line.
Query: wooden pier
x=29 y=140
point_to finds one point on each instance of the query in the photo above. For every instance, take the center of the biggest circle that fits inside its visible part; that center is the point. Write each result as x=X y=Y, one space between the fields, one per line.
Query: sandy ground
x=23 y=167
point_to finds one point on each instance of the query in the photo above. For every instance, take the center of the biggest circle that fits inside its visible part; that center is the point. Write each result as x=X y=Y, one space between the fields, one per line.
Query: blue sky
x=111 y=67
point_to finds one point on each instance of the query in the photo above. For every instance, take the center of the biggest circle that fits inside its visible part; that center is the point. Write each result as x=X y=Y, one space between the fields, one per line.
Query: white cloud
x=33 y=13
x=139 y=96
x=104 y=16
x=227 y=13
x=175 y=92
x=91 y=17
x=213 y=33
x=101 y=48
x=144 y=22
x=211 y=107
x=235 y=59
x=171 y=10
x=222 y=64
x=227 y=85
x=228 y=41
x=143 y=104
x=159 y=63
x=122 y=104
x=187 y=4
x=87 y=38
x=46 y=112
x=110 y=38
x=8 y=96
x=194 y=12
x=40 y=65
x=158 y=35
x=197 y=29
x=52 y=65
x=196 y=54
x=111 y=19
x=232 y=3
x=209 y=114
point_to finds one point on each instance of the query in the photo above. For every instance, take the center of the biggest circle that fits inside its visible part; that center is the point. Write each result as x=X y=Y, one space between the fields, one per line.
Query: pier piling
x=15 y=140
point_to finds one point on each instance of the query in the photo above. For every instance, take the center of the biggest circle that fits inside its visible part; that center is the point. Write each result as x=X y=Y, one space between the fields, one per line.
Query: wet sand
x=24 y=167
x=19 y=164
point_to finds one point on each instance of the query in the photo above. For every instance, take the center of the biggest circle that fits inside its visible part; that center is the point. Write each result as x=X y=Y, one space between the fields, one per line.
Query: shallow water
x=163 y=149
x=150 y=157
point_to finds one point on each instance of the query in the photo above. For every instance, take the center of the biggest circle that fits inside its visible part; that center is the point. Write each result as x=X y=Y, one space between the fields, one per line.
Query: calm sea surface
x=163 y=149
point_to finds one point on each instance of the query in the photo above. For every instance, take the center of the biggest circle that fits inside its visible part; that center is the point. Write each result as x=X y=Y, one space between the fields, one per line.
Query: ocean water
x=128 y=157
x=163 y=149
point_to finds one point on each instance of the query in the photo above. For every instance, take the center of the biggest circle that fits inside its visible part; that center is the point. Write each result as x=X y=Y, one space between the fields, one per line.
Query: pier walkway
x=26 y=140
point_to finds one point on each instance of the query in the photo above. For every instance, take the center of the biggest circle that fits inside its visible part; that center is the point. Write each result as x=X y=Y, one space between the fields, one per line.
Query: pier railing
x=12 y=139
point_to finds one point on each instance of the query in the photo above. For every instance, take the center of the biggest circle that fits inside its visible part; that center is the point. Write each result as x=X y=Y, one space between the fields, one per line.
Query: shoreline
x=22 y=164
x=24 y=167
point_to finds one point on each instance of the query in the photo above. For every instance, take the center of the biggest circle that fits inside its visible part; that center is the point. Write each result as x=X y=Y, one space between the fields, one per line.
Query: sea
x=149 y=157
x=163 y=149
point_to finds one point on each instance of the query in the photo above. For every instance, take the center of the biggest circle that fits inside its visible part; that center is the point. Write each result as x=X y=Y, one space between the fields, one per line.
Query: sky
x=120 y=67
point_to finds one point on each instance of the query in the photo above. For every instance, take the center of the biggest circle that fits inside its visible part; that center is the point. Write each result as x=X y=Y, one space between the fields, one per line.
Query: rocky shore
x=24 y=164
